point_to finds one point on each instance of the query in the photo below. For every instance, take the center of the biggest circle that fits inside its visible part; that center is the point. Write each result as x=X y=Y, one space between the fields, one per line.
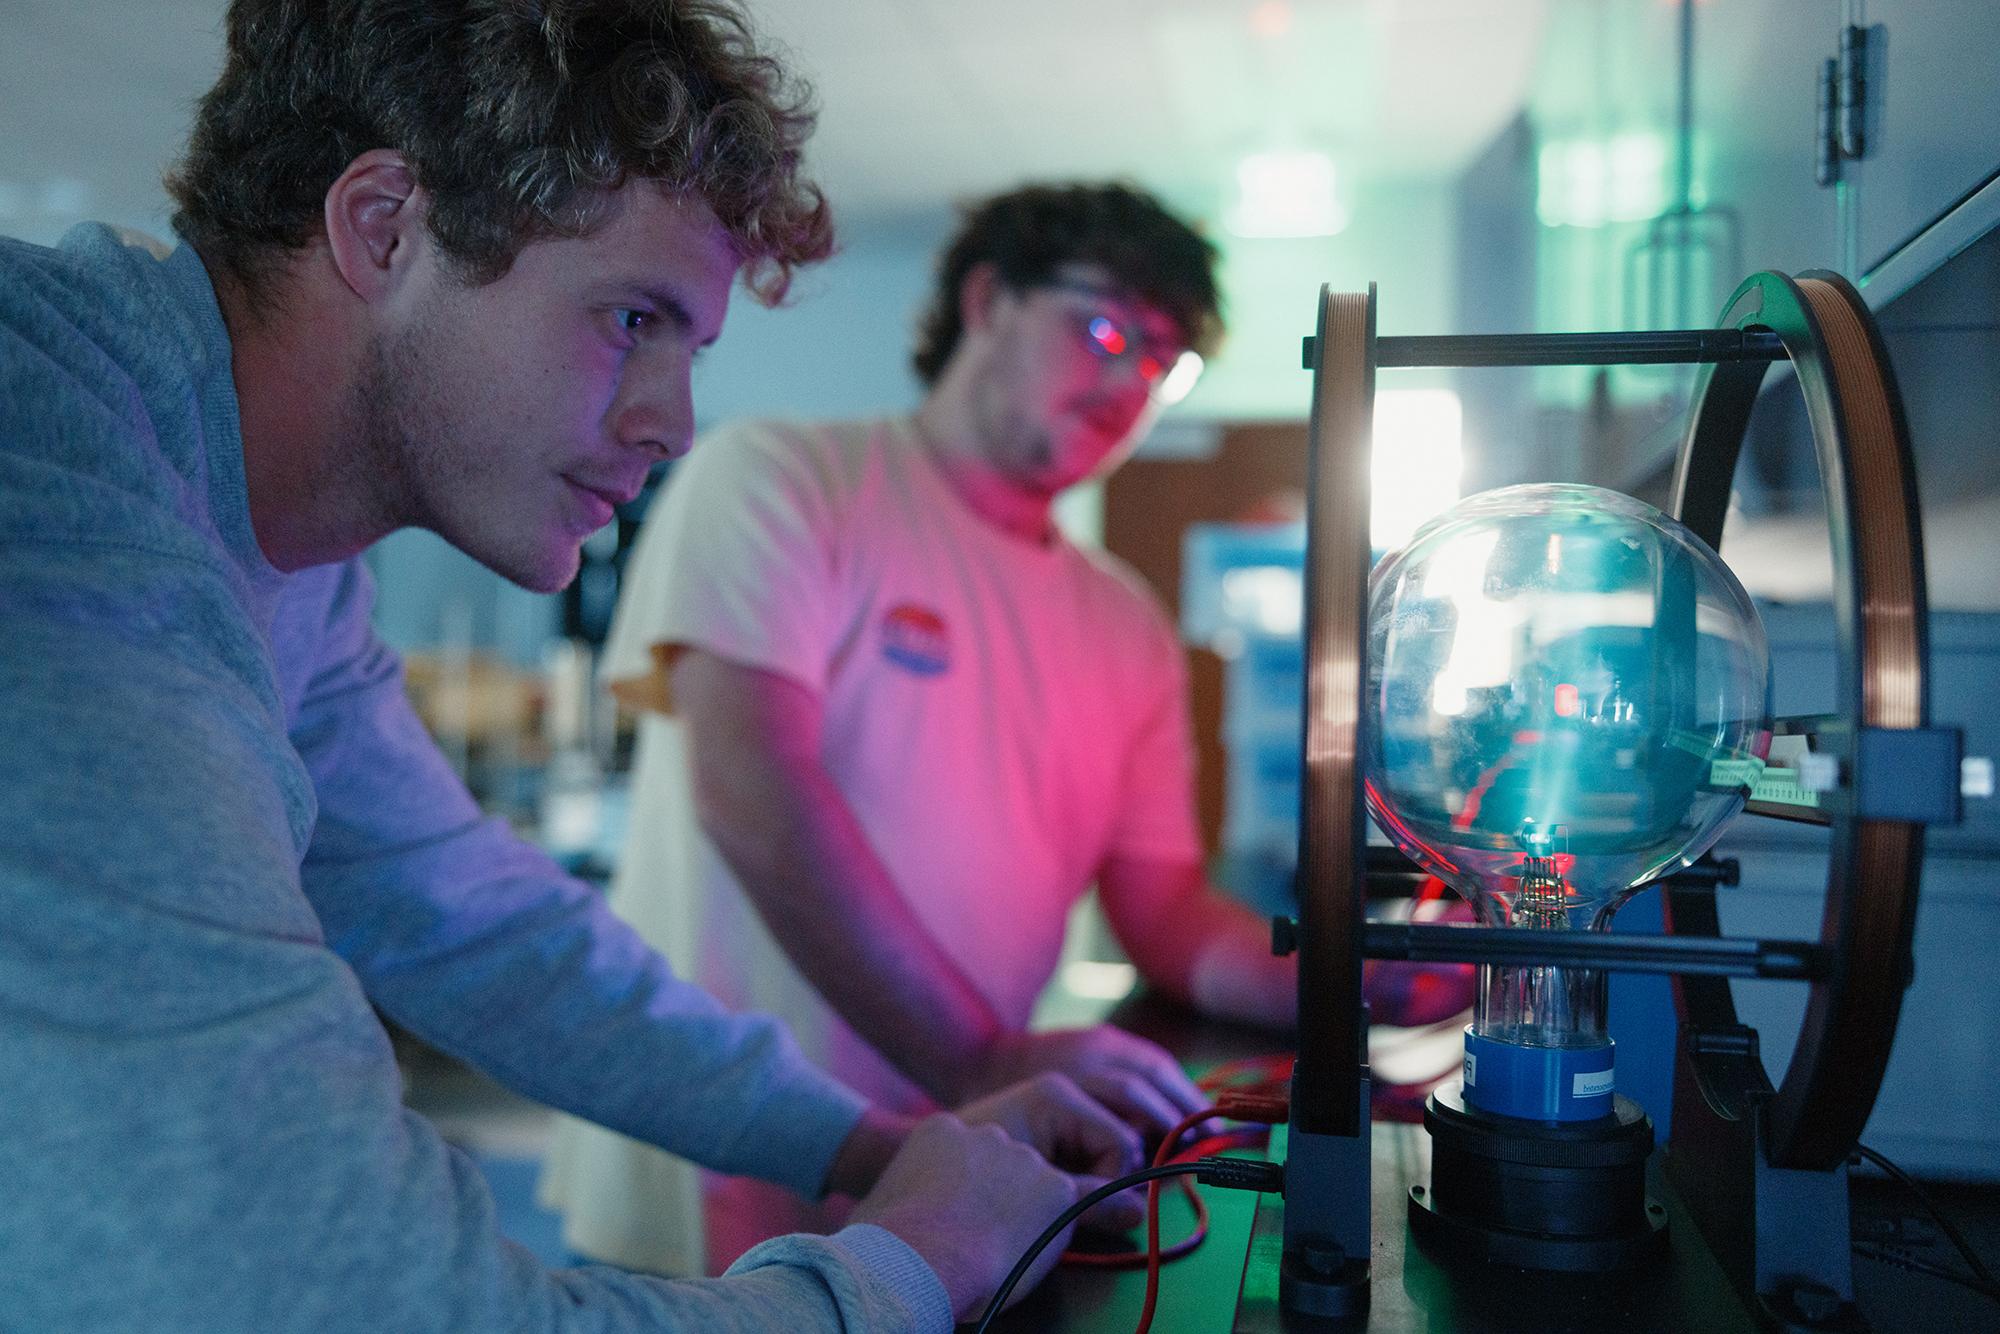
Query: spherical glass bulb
x=1568 y=697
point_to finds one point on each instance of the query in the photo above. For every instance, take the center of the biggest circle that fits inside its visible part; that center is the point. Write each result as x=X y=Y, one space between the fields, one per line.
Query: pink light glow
x=1273 y=18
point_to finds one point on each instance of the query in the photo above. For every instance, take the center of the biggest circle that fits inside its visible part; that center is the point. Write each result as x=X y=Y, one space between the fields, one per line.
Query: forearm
x=477 y=942
x=1197 y=946
x=1214 y=954
x=807 y=867
x=785 y=830
x=1236 y=976
x=481 y=947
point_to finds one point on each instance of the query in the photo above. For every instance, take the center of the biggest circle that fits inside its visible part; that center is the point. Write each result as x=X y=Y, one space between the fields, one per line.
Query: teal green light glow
x=1589 y=182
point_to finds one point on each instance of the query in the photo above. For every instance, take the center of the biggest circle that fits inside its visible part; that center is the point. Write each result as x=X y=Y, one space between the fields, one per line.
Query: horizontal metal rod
x=1698 y=955
x=1635 y=348
x=1709 y=871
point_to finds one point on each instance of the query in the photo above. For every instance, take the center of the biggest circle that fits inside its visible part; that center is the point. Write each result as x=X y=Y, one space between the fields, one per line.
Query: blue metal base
x=1538 y=1083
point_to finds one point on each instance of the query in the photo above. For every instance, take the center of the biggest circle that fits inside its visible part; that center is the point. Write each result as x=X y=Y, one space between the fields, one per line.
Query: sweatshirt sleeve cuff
x=889 y=1258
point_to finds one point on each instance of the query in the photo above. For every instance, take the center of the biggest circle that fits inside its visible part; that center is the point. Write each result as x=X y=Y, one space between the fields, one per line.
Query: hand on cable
x=969 y=1200
x=1138 y=1080
x=1073 y=1131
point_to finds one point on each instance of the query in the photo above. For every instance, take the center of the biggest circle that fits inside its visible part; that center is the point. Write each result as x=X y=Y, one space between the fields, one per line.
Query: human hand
x=969 y=1200
x=1075 y=1132
x=1135 y=1078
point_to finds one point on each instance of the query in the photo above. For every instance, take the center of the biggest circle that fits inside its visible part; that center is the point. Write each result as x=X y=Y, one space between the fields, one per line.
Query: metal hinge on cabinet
x=1850 y=95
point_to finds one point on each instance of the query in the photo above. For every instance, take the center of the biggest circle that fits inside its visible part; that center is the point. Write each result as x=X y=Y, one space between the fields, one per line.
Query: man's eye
x=632 y=321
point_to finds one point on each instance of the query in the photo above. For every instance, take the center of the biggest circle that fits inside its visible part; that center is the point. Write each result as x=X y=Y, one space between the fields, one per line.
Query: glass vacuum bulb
x=1568 y=697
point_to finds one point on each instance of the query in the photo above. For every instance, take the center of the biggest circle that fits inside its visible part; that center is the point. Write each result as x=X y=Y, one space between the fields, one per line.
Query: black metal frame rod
x=1637 y=348
x=1707 y=956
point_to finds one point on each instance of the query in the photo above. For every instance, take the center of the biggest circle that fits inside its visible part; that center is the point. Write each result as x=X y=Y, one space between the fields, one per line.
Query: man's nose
x=657 y=415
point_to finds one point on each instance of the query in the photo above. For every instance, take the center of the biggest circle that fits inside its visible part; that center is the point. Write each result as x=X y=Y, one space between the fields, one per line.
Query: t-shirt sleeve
x=736 y=558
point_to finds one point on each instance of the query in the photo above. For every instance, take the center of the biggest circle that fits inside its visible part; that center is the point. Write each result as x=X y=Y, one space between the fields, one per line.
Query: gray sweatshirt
x=223 y=835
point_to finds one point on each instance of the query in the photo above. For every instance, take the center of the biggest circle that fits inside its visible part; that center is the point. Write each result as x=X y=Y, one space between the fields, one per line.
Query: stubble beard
x=419 y=461
x=1017 y=451
x=383 y=447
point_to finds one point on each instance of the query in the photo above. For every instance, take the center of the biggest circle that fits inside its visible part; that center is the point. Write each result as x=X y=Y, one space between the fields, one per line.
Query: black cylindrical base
x=1567 y=1197
x=1322 y=1282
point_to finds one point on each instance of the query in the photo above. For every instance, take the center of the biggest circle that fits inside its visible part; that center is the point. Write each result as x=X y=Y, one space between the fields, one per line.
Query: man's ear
x=374 y=222
x=978 y=292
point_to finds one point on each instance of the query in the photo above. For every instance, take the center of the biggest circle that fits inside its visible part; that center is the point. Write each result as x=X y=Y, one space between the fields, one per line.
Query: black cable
x=1881 y=1254
x=1237 y=1173
x=1945 y=1225
x=1068 y=1216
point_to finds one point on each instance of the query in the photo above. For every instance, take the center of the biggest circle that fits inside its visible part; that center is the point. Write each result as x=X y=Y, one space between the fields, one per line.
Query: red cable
x=1132 y=1259
x=1250 y=1089
x=1153 y=1258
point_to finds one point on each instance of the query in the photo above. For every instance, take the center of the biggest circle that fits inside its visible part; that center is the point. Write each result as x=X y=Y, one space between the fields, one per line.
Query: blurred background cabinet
x=1932 y=133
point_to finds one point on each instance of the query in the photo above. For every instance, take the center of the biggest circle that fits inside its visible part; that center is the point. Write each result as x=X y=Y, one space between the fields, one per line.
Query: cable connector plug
x=1269 y=1109
x=1241 y=1174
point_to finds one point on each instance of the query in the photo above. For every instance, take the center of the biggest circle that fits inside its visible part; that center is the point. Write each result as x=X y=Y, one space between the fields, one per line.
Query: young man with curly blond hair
x=440 y=264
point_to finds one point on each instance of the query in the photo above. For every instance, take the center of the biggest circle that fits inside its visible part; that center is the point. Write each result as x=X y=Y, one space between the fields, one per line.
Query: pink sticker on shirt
x=915 y=639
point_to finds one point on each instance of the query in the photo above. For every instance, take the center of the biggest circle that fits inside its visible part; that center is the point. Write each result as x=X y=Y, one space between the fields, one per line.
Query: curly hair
x=1030 y=233
x=517 y=117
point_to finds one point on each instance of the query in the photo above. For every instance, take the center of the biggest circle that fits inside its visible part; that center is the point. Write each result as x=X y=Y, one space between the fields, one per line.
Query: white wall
x=1402 y=238
x=840 y=345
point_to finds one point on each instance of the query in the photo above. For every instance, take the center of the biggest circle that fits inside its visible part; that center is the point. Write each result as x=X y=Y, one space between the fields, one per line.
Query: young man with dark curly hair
x=442 y=263
x=893 y=730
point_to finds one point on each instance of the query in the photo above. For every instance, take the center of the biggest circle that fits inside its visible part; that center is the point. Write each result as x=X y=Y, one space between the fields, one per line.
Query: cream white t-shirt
x=1001 y=715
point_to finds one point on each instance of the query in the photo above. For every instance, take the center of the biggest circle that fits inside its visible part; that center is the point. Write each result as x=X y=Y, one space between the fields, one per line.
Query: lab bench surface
x=1198 y=1291
x=1228 y=1285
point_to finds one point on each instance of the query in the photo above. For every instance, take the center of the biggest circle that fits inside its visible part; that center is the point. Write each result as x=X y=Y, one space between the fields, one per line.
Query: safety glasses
x=1168 y=370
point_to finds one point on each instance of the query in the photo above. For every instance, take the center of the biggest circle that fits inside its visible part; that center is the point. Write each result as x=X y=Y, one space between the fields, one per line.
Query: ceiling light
x=1285 y=192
